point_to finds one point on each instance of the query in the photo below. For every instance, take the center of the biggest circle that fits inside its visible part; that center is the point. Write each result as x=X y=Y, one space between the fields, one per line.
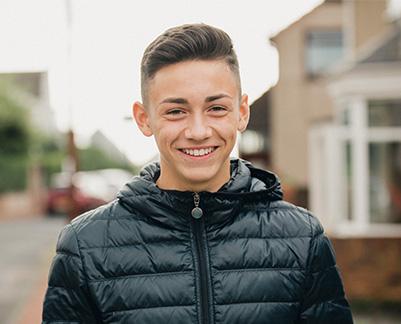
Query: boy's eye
x=175 y=112
x=218 y=109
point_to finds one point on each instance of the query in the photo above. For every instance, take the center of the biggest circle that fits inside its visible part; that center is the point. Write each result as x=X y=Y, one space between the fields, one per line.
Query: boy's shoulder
x=91 y=229
x=295 y=218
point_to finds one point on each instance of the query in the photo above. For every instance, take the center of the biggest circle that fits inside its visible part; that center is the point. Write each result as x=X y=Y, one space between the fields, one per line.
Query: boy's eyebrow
x=174 y=100
x=184 y=101
x=216 y=97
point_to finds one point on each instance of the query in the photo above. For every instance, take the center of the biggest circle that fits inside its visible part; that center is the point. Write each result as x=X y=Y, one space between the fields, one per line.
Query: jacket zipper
x=198 y=226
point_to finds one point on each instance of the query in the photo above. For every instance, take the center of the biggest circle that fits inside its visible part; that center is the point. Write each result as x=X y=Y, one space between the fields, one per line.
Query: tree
x=14 y=139
x=14 y=127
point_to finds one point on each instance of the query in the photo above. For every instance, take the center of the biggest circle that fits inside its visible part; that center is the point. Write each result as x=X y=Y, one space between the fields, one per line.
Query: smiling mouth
x=198 y=152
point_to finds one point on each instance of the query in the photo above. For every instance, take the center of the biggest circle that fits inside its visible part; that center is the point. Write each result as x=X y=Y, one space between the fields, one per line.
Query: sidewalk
x=31 y=310
x=26 y=250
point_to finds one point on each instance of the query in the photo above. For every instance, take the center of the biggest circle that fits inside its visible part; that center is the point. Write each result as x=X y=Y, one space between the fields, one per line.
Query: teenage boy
x=196 y=238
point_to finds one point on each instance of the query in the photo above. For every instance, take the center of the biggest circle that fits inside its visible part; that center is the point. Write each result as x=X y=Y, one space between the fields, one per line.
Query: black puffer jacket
x=251 y=258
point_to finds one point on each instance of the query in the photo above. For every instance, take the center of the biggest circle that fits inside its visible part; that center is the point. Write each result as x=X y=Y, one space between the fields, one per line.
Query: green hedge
x=14 y=127
x=13 y=173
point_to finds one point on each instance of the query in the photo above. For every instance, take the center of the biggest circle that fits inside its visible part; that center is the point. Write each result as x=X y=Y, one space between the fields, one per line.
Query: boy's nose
x=198 y=129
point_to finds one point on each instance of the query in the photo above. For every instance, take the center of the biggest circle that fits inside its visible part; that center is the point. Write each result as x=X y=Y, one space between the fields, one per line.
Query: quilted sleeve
x=324 y=301
x=67 y=299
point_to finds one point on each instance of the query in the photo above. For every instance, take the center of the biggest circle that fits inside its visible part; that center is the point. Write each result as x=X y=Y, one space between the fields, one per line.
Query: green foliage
x=49 y=153
x=51 y=163
x=20 y=146
x=14 y=128
x=14 y=144
x=13 y=172
x=92 y=158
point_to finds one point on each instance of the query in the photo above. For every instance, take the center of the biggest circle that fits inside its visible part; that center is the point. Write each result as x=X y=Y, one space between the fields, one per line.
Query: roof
x=305 y=15
x=388 y=50
x=383 y=50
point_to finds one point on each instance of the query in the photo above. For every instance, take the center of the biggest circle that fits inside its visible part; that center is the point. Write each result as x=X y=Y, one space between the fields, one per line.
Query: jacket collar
x=172 y=208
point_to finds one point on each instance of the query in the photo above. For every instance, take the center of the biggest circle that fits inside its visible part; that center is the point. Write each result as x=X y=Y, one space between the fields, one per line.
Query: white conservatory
x=355 y=161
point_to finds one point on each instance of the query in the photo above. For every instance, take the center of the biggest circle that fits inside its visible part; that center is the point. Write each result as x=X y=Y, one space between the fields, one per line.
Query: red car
x=59 y=201
x=91 y=189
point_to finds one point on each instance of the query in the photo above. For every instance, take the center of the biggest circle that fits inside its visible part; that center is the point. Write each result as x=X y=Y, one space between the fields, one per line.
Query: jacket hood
x=247 y=184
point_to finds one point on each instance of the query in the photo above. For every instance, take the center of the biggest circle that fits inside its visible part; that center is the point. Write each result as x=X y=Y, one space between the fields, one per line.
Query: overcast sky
x=101 y=80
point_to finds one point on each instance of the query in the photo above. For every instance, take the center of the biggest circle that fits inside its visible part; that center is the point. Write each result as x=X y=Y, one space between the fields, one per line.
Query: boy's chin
x=205 y=179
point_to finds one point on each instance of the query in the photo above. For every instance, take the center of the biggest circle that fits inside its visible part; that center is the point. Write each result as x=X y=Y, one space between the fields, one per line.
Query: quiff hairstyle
x=185 y=43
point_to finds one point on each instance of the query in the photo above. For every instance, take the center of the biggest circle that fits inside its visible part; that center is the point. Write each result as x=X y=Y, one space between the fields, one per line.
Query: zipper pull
x=197 y=212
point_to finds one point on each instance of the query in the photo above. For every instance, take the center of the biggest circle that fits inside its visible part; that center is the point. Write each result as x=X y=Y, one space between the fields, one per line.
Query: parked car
x=90 y=189
x=59 y=201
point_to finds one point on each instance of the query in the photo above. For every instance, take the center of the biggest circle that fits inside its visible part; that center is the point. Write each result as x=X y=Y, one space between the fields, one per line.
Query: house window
x=385 y=182
x=323 y=50
x=384 y=121
x=384 y=113
x=358 y=167
x=348 y=178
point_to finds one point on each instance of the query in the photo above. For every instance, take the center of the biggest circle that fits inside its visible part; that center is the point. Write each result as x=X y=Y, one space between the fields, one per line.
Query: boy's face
x=194 y=110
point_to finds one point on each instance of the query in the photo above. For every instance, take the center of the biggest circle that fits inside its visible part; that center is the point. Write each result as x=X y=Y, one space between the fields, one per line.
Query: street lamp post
x=72 y=153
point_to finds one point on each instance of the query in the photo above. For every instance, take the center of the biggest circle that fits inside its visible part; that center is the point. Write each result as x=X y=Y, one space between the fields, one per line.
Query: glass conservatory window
x=382 y=113
x=385 y=182
x=348 y=179
x=344 y=117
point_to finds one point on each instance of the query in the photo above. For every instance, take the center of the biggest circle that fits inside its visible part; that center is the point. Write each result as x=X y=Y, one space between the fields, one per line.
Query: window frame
x=308 y=74
x=360 y=135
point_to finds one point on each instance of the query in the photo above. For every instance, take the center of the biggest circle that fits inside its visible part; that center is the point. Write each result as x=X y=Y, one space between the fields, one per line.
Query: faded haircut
x=185 y=43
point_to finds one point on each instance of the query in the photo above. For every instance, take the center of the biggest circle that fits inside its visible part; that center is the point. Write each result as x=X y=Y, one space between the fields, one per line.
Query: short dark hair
x=184 y=43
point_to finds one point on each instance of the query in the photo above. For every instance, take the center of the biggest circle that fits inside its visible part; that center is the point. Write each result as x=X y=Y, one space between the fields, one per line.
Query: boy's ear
x=243 y=113
x=141 y=116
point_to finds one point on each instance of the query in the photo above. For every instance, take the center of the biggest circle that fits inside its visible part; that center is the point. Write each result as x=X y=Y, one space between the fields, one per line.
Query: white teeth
x=200 y=152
